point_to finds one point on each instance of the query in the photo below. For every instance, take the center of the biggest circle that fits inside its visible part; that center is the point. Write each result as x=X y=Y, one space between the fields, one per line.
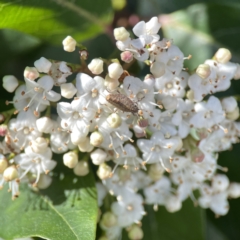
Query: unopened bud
x=45 y=125
x=96 y=138
x=135 y=233
x=39 y=145
x=115 y=70
x=3 y=164
x=98 y=156
x=108 y=220
x=223 y=55
x=126 y=56
x=121 y=34
x=10 y=173
x=234 y=190
x=156 y=171
x=173 y=204
x=68 y=90
x=96 y=66
x=3 y=130
x=190 y=95
x=203 y=71
x=83 y=54
x=85 y=146
x=114 y=120
x=44 y=181
x=70 y=159
x=234 y=115
x=10 y=83
x=43 y=65
x=81 y=169
x=157 y=69
x=104 y=171
x=69 y=44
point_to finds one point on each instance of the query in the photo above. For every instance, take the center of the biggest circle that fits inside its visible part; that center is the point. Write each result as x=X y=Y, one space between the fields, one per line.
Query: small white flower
x=43 y=65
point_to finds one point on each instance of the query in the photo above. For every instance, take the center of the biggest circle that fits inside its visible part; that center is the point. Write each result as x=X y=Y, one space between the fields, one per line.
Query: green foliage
x=66 y=210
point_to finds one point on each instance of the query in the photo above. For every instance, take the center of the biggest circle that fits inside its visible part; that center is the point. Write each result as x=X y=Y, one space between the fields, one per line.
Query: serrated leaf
x=66 y=210
x=53 y=20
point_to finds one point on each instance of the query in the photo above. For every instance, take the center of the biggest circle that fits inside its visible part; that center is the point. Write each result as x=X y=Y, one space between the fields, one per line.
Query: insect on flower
x=122 y=102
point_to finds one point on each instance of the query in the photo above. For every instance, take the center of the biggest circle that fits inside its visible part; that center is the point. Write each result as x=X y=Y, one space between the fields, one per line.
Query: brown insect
x=122 y=102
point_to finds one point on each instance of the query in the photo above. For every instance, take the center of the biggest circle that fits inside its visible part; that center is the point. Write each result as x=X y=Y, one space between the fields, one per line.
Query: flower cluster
x=160 y=135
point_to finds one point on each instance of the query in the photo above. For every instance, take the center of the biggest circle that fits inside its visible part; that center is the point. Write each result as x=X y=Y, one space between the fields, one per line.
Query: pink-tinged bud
x=127 y=56
x=197 y=156
x=3 y=130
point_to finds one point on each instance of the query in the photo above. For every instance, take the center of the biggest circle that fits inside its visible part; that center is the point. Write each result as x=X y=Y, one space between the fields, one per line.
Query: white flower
x=90 y=89
x=34 y=162
x=128 y=209
x=208 y=114
x=158 y=149
x=148 y=30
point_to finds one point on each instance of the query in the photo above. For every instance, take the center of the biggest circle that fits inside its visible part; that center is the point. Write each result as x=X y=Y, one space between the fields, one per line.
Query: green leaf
x=53 y=20
x=187 y=224
x=66 y=210
x=200 y=30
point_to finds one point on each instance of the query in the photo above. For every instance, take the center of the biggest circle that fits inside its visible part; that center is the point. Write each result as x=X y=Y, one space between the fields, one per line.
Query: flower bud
x=156 y=171
x=96 y=138
x=81 y=169
x=234 y=190
x=223 y=55
x=44 y=124
x=3 y=164
x=135 y=233
x=229 y=104
x=108 y=220
x=111 y=83
x=31 y=73
x=220 y=182
x=44 y=181
x=157 y=69
x=115 y=70
x=10 y=173
x=76 y=139
x=234 y=115
x=173 y=204
x=85 y=146
x=104 y=171
x=126 y=56
x=98 y=156
x=203 y=71
x=121 y=34
x=70 y=159
x=83 y=54
x=69 y=44
x=68 y=90
x=96 y=66
x=10 y=83
x=43 y=65
x=39 y=145
x=3 y=130
x=190 y=95
x=114 y=120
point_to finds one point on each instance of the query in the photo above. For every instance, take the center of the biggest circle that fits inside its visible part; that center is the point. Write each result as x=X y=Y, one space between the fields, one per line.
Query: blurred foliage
x=30 y=29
